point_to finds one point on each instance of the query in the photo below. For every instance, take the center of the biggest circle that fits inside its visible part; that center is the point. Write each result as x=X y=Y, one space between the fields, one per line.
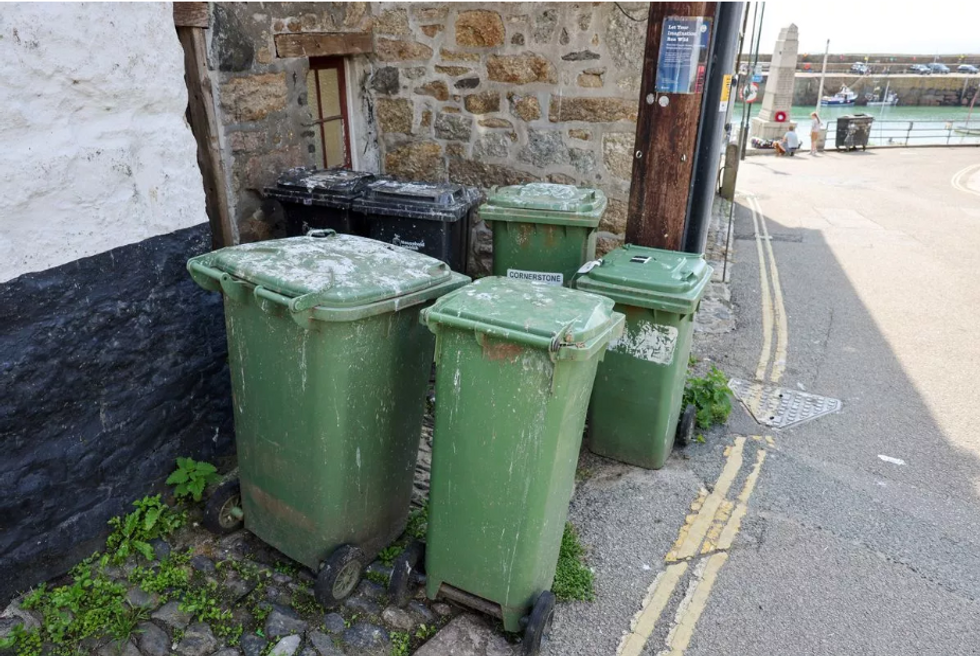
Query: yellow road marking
x=760 y=371
x=715 y=521
x=782 y=332
x=735 y=521
x=688 y=543
x=653 y=605
x=693 y=604
x=958 y=179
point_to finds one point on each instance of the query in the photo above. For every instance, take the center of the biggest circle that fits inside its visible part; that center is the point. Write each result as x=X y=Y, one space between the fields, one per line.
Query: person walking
x=815 y=126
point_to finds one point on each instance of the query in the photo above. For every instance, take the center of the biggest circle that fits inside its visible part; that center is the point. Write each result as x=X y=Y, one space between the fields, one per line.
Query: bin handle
x=438 y=269
x=295 y=305
x=321 y=233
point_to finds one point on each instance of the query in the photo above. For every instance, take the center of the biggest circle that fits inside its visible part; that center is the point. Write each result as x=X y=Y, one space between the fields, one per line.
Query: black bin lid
x=436 y=201
x=311 y=183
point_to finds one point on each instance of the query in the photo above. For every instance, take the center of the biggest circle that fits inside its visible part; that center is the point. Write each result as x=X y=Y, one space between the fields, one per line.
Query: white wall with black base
x=112 y=362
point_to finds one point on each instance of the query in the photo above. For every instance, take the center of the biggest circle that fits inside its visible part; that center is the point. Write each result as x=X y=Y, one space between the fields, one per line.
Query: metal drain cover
x=779 y=407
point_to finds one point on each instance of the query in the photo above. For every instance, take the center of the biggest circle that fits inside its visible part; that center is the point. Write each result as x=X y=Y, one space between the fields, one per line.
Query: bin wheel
x=685 y=427
x=401 y=586
x=539 y=623
x=223 y=511
x=340 y=575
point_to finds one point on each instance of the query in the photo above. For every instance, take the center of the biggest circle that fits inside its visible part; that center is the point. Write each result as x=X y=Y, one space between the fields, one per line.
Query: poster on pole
x=683 y=55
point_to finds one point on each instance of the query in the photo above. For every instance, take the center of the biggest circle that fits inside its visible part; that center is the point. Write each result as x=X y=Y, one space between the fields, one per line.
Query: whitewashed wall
x=95 y=152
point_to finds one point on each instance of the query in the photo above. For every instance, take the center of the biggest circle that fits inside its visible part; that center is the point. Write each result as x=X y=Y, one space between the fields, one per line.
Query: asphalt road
x=840 y=551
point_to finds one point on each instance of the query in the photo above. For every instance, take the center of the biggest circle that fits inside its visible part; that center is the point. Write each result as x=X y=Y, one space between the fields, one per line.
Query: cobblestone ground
x=264 y=592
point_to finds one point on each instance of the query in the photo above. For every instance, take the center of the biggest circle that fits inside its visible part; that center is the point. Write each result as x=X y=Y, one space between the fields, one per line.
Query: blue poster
x=683 y=54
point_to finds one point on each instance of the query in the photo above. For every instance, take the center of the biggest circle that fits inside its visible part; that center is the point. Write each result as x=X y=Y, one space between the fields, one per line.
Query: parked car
x=941 y=69
x=967 y=68
x=860 y=68
x=921 y=69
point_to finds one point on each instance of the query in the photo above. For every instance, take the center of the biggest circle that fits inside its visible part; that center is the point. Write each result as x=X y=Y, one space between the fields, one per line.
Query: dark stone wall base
x=111 y=367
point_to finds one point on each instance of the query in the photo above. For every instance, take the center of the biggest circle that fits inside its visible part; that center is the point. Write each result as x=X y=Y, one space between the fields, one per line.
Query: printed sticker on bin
x=543 y=277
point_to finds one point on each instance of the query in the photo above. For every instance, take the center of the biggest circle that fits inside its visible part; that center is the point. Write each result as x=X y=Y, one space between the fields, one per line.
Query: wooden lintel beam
x=323 y=44
x=192 y=14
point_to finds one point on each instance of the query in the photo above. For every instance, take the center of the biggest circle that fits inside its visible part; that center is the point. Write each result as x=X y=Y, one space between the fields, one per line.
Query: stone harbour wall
x=480 y=94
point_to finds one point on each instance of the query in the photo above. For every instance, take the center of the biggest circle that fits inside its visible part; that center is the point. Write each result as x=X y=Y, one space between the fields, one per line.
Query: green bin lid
x=649 y=278
x=332 y=270
x=538 y=315
x=543 y=202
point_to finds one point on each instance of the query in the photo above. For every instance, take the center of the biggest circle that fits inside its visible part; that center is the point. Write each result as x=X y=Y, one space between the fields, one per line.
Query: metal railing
x=915 y=133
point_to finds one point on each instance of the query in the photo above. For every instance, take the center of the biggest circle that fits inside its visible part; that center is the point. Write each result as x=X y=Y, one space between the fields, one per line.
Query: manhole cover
x=779 y=407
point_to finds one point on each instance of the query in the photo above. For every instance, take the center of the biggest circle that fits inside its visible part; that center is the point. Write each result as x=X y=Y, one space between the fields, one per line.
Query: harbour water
x=893 y=126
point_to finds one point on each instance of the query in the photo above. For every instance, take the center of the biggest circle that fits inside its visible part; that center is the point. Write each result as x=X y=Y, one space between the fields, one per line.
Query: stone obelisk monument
x=778 y=95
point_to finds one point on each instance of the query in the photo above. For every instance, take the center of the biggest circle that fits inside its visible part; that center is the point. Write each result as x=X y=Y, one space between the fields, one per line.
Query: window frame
x=340 y=65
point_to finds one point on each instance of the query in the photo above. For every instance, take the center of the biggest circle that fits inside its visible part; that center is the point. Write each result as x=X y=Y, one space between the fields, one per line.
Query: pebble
x=398 y=618
x=153 y=641
x=252 y=644
x=138 y=598
x=323 y=644
x=365 y=639
x=334 y=623
x=160 y=548
x=363 y=605
x=228 y=651
x=203 y=564
x=238 y=587
x=443 y=610
x=286 y=647
x=115 y=649
x=281 y=578
x=420 y=612
x=283 y=621
x=171 y=615
x=197 y=641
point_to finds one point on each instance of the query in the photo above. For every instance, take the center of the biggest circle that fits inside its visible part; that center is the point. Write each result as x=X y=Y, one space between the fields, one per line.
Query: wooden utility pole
x=666 y=132
x=190 y=20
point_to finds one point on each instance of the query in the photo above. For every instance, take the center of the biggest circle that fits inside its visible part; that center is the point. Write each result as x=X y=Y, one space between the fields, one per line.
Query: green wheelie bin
x=635 y=415
x=543 y=232
x=515 y=364
x=329 y=369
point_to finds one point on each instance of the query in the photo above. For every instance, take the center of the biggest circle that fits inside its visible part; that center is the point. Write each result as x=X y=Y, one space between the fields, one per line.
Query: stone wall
x=482 y=94
x=112 y=361
x=912 y=90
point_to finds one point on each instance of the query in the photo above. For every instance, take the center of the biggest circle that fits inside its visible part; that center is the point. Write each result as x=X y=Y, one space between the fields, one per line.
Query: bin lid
x=337 y=181
x=342 y=271
x=526 y=312
x=417 y=200
x=544 y=202
x=313 y=186
x=649 y=278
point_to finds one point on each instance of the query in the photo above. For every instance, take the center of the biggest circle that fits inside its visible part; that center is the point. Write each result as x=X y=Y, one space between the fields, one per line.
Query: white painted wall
x=95 y=152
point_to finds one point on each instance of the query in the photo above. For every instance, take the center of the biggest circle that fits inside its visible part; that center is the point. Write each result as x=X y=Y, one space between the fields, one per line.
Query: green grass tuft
x=573 y=580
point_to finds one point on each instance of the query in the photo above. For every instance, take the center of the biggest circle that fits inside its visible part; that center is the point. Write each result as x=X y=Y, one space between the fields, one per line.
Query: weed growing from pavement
x=711 y=396
x=573 y=580
x=389 y=553
x=191 y=477
x=377 y=577
x=286 y=568
x=131 y=534
x=401 y=643
x=204 y=604
x=91 y=605
x=168 y=579
x=426 y=631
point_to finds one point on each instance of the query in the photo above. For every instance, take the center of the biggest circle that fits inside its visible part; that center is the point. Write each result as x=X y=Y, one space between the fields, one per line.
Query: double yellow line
x=959 y=179
x=773 y=309
x=702 y=547
x=703 y=542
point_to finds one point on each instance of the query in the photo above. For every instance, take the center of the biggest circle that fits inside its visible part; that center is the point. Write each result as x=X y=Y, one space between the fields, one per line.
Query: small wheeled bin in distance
x=329 y=368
